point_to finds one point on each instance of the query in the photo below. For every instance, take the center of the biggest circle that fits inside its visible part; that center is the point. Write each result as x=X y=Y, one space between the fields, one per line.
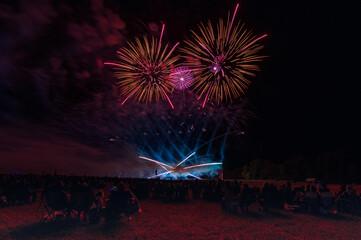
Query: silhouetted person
x=56 y=198
x=81 y=199
x=265 y=197
x=245 y=198
x=326 y=200
x=120 y=203
x=312 y=201
x=354 y=202
x=97 y=207
x=342 y=201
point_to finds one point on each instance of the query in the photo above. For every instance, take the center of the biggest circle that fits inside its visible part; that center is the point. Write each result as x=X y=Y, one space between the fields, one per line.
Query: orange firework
x=144 y=70
x=222 y=59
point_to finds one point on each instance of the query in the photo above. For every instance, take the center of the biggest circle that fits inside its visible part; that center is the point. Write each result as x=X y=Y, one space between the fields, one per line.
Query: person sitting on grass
x=326 y=201
x=342 y=200
x=354 y=200
x=229 y=199
x=97 y=207
x=265 y=197
x=246 y=198
x=312 y=201
x=121 y=202
x=81 y=199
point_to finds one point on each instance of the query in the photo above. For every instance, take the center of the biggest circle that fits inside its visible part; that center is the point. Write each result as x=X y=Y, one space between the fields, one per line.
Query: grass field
x=193 y=220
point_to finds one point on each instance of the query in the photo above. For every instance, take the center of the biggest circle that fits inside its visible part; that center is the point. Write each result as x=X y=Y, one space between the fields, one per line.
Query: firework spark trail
x=182 y=71
x=189 y=174
x=257 y=39
x=234 y=14
x=206 y=49
x=160 y=39
x=170 y=102
x=160 y=174
x=170 y=52
x=157 y=162
x=202 y=165
x=131 y=60
x=130 y=95
x=152 y=160
x=205 y=99
x=185 y=159
x=117 y=65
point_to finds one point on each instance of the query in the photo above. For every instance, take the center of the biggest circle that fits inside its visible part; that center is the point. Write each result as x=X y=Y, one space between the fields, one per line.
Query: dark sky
x=306 y=92
x=304 y=97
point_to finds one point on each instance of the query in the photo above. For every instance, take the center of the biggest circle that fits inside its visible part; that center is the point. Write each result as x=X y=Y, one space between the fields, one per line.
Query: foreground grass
x=194 y=220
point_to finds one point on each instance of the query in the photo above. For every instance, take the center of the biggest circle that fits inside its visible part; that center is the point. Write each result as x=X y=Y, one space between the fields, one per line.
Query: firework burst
x=222 y=59
x=182 y=78
x=144 y=70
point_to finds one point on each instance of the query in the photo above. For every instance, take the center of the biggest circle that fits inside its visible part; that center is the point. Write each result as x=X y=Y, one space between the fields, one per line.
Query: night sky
x=52 y=77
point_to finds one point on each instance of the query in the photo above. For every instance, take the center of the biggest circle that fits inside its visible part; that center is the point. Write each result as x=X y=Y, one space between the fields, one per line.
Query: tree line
x=331 y=167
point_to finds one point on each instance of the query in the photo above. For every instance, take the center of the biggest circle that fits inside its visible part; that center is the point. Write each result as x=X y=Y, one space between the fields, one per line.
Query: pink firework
x=181 y=78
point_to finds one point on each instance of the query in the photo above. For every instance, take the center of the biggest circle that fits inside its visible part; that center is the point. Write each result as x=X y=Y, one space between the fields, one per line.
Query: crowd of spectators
x=90 y=198
x=311 y=198
x=81 y=197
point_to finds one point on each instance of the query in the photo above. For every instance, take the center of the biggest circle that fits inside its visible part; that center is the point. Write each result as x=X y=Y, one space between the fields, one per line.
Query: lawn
x=196 y=219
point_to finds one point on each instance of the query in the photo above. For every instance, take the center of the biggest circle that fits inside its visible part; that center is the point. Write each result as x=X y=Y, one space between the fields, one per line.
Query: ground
x=194 y=220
